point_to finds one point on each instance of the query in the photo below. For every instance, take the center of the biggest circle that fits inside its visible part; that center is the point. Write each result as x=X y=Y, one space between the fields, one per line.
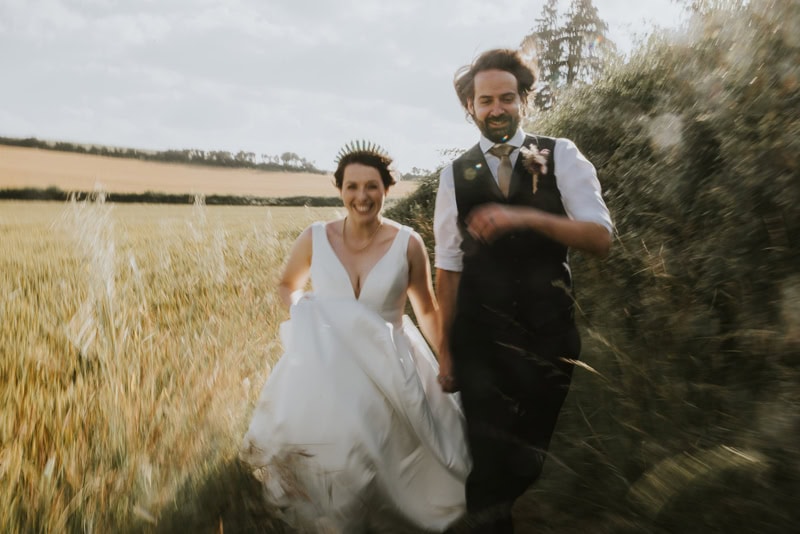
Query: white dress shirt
x=576 y=179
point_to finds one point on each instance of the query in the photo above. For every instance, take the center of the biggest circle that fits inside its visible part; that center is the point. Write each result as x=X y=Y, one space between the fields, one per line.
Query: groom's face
x=495 y=108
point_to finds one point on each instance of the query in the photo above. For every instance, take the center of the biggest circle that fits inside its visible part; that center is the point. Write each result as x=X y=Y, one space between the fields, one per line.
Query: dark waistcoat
x=522 y=275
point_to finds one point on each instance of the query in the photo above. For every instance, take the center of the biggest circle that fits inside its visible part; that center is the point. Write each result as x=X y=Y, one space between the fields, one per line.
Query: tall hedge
x=685 y=416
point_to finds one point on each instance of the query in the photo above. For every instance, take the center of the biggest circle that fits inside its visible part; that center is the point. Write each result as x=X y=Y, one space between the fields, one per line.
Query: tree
x=545 y=44
x=290 y=159
x=245 y=159
x=570 y=49
x=586 y=42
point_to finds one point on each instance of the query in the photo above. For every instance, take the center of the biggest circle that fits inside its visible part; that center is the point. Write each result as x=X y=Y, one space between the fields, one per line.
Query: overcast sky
x=266 y=76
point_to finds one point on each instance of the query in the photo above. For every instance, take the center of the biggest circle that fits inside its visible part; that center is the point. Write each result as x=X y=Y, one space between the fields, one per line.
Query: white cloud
x=130 y=30
x=43 y=22
x=268 y=76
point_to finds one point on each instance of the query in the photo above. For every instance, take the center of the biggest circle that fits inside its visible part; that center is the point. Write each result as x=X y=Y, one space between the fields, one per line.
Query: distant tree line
x=150 y=197
x=417 y=173
x=287 y=161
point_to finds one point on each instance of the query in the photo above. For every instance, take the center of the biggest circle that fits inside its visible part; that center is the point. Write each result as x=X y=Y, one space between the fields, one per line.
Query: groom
x=507 y=211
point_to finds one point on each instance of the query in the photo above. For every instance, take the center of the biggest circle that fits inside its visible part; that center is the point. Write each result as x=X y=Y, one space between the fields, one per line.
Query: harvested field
x=38 y=168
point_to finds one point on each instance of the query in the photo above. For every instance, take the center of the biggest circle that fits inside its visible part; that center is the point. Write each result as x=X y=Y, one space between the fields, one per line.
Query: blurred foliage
x=416 y=210
x=686 y=416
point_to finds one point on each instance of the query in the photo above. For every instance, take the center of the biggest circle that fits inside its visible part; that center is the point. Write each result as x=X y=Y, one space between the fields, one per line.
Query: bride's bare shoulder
x=333 y=229
x=394 y=225
x=334 y=225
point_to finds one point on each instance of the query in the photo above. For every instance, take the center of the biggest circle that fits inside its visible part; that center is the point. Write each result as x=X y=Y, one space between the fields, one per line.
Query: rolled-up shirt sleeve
x=447 y=252
x=580 y=189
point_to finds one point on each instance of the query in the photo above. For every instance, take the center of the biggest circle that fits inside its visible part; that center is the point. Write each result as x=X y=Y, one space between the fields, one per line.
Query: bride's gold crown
x=362 y=146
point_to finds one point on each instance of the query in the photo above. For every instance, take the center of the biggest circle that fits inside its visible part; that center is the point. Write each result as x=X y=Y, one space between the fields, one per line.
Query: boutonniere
x=535 y=161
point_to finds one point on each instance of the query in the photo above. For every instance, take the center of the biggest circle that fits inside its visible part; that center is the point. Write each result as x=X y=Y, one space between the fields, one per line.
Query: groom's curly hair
x=497 y=59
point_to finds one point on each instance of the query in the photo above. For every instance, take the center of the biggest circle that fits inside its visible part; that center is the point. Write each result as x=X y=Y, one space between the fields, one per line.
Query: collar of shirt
x=515 y=141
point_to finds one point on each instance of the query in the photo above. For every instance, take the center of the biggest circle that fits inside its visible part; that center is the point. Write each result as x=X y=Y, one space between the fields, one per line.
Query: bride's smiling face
x=363 y=192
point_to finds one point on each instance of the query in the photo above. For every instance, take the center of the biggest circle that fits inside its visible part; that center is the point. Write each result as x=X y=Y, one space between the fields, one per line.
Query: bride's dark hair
x=365 y=153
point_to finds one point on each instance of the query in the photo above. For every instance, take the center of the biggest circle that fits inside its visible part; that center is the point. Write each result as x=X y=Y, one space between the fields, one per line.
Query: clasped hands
x=446 y=379
x=447 y=383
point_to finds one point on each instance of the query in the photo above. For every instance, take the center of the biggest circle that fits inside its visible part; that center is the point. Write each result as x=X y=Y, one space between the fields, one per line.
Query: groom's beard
x=498 y=129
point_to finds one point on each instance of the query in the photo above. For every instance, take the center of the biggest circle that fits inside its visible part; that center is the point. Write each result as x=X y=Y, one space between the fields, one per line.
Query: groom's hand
x=490 y=221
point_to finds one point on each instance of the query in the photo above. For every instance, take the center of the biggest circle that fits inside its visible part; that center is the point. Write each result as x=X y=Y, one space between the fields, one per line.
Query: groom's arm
x=587 y=225
x=448 y=269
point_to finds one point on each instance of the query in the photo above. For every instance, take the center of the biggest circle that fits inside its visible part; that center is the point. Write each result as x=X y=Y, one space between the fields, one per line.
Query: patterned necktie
x=504 y=170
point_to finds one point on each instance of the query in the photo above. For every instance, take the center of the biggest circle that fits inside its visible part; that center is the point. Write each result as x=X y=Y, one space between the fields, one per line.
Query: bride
x=351 y=431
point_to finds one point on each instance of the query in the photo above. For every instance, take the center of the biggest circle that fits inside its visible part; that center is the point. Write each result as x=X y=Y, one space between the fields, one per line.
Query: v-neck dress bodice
x=383 y=289
x=352 y=432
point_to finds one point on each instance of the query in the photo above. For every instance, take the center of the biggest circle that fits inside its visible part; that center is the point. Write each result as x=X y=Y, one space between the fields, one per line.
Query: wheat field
x=38 y=168
x=133 y=343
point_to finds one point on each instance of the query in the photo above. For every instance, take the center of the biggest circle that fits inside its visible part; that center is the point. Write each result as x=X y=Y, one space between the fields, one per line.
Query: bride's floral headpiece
x=362 y=146
x=367 y=153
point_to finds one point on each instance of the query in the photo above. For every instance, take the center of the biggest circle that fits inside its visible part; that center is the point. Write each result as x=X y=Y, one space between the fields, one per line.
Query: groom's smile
x=499 y=123
x=495 y=107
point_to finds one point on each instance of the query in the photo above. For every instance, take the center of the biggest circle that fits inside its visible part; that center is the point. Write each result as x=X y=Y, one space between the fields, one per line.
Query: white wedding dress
x=351 y=431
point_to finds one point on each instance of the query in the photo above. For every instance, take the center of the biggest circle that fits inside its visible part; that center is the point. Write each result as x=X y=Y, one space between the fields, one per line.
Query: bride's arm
x=296 y=271
x=420 y=290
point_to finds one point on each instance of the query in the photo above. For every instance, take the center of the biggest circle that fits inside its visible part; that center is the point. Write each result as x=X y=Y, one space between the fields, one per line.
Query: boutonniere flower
x=535 y=161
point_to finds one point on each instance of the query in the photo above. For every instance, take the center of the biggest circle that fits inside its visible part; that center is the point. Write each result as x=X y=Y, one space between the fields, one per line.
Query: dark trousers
x=513 y=383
